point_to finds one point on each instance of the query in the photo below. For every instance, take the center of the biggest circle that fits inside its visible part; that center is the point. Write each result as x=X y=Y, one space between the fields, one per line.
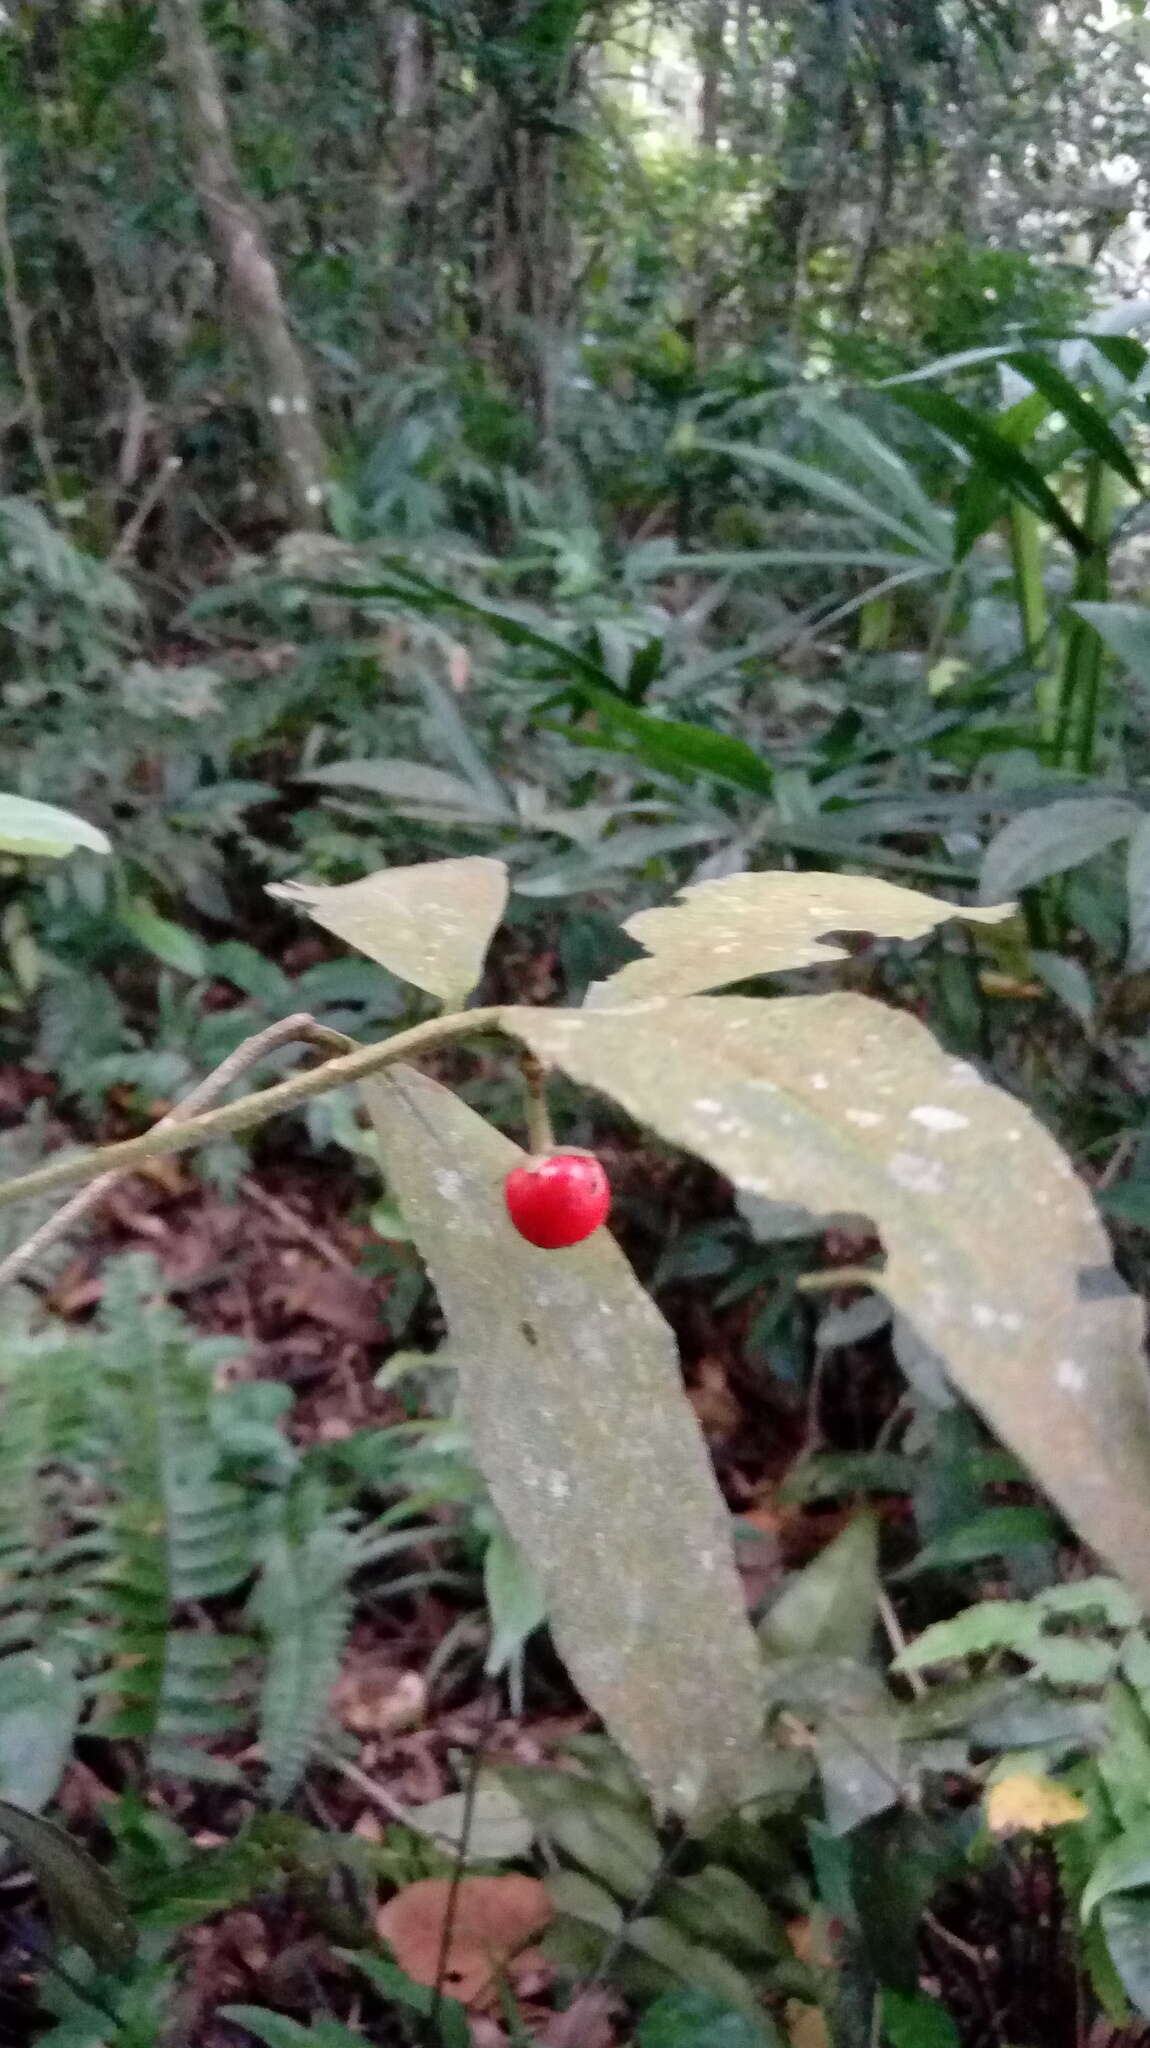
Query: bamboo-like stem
x=250 y=1110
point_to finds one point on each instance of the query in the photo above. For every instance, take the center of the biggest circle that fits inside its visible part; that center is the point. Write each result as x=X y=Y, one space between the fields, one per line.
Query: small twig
x=21 y=326
x=839 y=1276
x=897 y=1640
x=125 y=546
x=291 y=1220
x=288 y=1030
x=540 y=1136
x=470 y=1793
x=250 y=1110
x=378 y=1794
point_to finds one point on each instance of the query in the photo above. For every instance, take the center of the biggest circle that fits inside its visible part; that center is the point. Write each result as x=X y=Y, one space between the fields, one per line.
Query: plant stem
x=289 y=1030
x=540 y=1135
x=251 y=1110
x=1083 y=654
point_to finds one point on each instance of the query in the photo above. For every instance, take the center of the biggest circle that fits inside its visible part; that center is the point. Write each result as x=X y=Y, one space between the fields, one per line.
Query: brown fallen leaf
x=588 y=2021
x=492 y=1918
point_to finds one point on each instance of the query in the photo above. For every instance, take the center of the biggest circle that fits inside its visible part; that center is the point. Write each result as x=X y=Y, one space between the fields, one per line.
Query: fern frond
x=303 y=1606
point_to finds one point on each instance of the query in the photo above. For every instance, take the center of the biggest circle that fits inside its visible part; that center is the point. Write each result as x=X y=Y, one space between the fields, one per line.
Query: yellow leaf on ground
x=1025 y=1804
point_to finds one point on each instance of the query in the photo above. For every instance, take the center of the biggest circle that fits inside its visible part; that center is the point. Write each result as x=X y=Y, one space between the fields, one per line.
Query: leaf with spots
x=430 y=924
x=572 y=1395
x=994 y=1250
x=744 y=925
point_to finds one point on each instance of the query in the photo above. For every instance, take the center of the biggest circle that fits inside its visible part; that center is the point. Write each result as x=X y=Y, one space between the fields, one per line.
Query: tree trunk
x=285 y=386
x=710 y=51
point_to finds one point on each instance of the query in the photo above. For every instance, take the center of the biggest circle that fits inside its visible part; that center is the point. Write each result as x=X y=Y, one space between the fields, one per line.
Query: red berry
x=558 y=1199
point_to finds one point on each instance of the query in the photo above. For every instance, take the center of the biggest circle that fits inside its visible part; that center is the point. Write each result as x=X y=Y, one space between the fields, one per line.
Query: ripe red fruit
x=558 y=1199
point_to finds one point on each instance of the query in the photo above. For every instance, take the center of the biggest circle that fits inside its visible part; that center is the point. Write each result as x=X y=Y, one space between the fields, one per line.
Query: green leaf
x=571 y=1391
x=992 y=1533
x=911 y=2020
x=991 y=1625
x=499 y=1830
x=1126 y=1926
x=581 y=1899
x=404 y=782
x=394 y=1985
x=278 y=2031
x=1126 y=631
x=698 y=1966
x=820 y=483
x=430 y=924
x=39 y=1709
x=30 y=827
x=1050 y=839
x=847 y=1106
x=745 y=925
x=679 y=748
x=169 y=943
x=86 y=1904
x=700 y=2019
x=829 y=1608
x=1129 y=1201
x=1091 y=425
x=1138 y=898
x=995 y=454
x=1123 y=1866
x=514 y=1597
x=591 y=1824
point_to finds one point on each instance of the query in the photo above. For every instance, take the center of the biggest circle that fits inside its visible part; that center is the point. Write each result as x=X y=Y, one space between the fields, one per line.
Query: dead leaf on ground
x=806 y=2026
x=493 y=1918
x=374 y=1698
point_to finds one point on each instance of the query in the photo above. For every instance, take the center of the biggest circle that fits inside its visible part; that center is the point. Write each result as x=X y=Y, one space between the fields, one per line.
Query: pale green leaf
x=1050 y=839
x=1126 y=1926
x=1123 y=1866
x=514 y=1597
x=845 y=1105
x=499 y=1830
x=743 y=925
x=581 y=1898
x=30 y=827
x=1126 y=631
x=829 y=1608
x=991 y=1625
x=39 y=1709
x=571 y=1392
x=430 y=924
x=172 y=944
x=701 y=2019
x=1138 y=897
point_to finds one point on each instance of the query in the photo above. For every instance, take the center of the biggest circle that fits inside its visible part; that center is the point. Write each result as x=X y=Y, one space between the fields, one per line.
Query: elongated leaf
x=1138 y=898
x=171 y=944
x=845 y=1106
x=679 y=748
x=571 y=1392
x=86 y=1904
x=885 y=470
x=1126 y=631
x=829 y=1608
x=1091 y=425
x=1124 y=1866
x=30 y=827
x=744 y=925
x=407 y=782
x=429 y=924
x=834 y=489
x=1052 y=838
x=996 y=454
x=1126 y=1925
